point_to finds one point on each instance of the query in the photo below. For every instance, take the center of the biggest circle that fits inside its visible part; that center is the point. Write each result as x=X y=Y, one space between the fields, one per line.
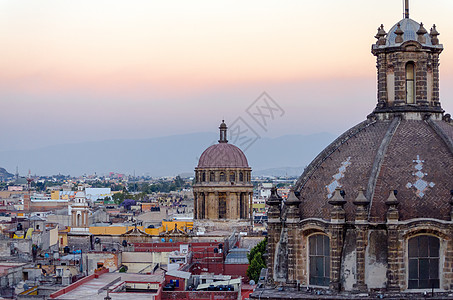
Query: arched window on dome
x=319 y=260
x=241 y=176
x=222 y=176
x=423 y=262
x=203 y=177
x=211 y=176
x=232 y=176
x=410 y=83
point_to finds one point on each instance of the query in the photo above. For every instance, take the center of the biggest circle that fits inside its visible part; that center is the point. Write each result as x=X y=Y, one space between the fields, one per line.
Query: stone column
x=234 y=206
x=274 y=227
x=85 y=218
x=212 y=206
x=239 y=207
x=229 y=206
x=201 y=200
x=338 y=221
x=250 y=207
x=381 y=65
x=393 y=243
x=421 y=73
x=361 y=227
x=195 y=205
x=73 y=223
x=292 y=223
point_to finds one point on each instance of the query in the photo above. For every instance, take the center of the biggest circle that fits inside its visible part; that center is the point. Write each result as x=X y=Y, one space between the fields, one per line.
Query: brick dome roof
x=414 y=157
x=223 y=155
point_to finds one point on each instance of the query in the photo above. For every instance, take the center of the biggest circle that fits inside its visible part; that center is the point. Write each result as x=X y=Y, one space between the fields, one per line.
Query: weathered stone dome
x=223 y=155
x=412 y=157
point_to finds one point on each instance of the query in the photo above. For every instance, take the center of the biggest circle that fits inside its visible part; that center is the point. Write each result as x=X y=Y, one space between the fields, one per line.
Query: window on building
x=203 y=177
x=423 y=262
x=232 y=176
x=410 y=83
x=241 y=176
x=319 y=259
x=222 y=176
x=212 y=176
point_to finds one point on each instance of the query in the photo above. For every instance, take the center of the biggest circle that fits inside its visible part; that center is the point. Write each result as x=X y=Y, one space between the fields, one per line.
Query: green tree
x=256 y=260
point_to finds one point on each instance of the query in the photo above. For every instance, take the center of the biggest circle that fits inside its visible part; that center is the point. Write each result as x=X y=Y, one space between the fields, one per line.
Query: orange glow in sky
x=100 y=61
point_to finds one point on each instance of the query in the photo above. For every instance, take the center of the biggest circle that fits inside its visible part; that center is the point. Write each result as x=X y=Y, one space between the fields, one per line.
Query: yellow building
x=118 y=230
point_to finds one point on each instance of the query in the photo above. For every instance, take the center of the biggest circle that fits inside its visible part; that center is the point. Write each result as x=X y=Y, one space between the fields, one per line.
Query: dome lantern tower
x=223 y=132
x=408 y=69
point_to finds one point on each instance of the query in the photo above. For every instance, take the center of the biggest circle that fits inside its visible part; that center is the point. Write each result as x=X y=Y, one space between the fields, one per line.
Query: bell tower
x=407 y=69
x=79 y=212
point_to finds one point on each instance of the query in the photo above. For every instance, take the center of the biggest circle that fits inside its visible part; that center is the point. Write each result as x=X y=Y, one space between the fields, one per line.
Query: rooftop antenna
x=406 y=9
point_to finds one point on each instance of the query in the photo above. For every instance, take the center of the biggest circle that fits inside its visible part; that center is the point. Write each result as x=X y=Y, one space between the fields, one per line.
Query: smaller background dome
x=223 y=155
x=410 y=28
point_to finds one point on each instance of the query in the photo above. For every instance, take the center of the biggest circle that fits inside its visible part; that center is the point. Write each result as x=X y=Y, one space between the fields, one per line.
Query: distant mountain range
x=163 y=156
x=4 y=174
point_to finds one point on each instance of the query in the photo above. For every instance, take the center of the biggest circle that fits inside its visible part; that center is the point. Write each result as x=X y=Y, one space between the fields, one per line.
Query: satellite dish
x=252 y=282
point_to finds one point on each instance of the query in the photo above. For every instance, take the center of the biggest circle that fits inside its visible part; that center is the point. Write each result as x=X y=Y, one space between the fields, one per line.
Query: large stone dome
x=413 y=157
x=374 y=210
x=223 y=155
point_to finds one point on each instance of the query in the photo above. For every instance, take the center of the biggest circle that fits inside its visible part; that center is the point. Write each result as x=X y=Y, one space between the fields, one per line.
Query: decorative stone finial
x=293 y=212
x=381 y=36
x=337 y=198
x=223 y=132
x=399 y=34
x=421 y=34
x=292 y=197
x=361 y=202
x=433 y=34
x=337 y=201
x=392 y=202
x=274 y=198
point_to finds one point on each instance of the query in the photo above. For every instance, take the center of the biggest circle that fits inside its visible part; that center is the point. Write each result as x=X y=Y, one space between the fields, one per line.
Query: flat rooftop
x=97 y=287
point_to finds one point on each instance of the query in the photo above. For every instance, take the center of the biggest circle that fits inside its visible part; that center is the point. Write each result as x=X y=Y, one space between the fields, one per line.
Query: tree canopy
x=256 y=260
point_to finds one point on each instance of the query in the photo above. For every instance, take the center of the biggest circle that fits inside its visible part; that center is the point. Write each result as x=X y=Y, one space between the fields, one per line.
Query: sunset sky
x=88 y=70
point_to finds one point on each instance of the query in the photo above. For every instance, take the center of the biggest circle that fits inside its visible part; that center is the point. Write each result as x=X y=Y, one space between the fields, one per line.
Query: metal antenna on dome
x=406 y=9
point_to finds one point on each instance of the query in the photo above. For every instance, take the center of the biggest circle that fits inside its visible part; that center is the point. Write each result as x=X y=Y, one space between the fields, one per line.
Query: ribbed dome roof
x=414 y=157
x=410 y=28
x=223 y=155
